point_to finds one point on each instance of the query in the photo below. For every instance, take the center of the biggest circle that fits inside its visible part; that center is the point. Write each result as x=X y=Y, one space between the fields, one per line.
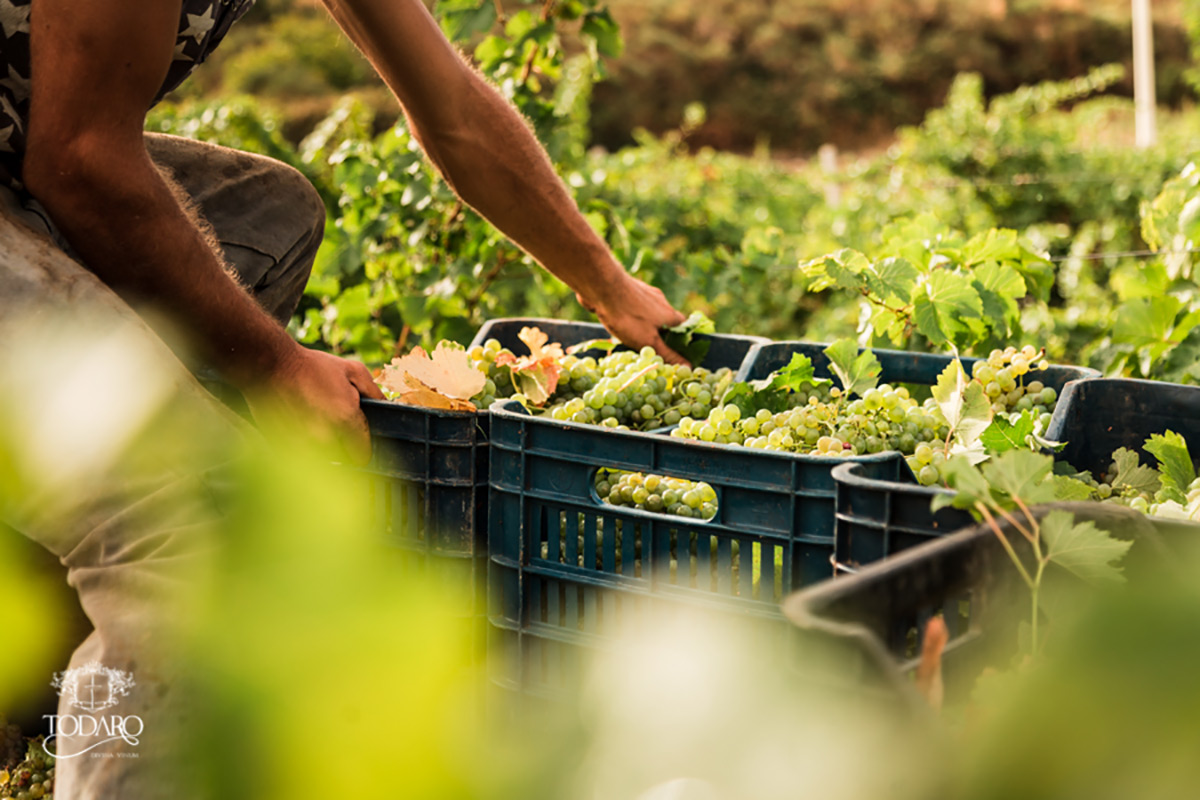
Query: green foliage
x=929 y=282
x=1006 y=488
x=682 y=337
x=800 y=73
x=301 y=54
x=950 y=238
x=857 y=371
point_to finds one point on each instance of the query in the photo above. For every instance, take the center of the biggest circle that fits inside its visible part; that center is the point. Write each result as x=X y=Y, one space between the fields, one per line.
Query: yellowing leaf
x=418 y=394
x=447 y=372
x=535 y=375
x=535 y=339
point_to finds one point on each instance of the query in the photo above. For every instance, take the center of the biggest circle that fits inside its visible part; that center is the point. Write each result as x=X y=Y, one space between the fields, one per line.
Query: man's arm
x=98 y=65
x=488 y=155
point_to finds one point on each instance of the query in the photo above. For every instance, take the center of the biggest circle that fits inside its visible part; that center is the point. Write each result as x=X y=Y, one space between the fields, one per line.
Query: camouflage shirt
x=202 y=25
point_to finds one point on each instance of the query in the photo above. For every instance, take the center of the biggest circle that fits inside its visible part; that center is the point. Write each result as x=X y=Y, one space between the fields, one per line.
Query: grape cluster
x=12 y=745
x=28 y=776
x=634 y=389
x=675 y=496
x=825 y=422
x=483 y=358
x=1003 y=373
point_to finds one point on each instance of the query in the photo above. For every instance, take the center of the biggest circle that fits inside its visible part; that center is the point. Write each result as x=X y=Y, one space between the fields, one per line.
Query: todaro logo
x=92 y=688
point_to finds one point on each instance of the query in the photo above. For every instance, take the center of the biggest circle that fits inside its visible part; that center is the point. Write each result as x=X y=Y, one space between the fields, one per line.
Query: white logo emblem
x=93 y=687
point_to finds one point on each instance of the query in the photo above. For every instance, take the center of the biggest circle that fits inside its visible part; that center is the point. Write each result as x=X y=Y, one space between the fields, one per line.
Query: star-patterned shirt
x=202 y=25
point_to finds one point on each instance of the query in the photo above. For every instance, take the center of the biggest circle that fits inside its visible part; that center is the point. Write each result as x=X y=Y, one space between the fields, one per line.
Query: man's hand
x=634 y=311
x=319 y=394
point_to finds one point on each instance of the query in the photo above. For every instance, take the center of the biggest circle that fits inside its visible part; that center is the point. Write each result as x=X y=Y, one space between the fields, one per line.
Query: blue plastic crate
x=875 y=618
x=880 y=516
x=567 y=568
x=1096 y=417
x=429 y=468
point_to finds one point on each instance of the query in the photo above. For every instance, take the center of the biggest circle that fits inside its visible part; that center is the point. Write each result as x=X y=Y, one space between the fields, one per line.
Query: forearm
x=125 y=221
x=499 y=169
x=479 y=142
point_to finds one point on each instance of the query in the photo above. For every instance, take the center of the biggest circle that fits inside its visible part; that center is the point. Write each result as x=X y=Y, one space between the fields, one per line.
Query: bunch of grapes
x=31 y=778
x=483 y=358
x=675 y=496
x=825 y=422
x=12 y=745
x=634 y=389
x=1003 y=377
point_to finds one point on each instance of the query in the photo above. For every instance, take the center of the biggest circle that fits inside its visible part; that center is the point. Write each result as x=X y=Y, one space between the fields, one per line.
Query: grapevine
x=26 y=771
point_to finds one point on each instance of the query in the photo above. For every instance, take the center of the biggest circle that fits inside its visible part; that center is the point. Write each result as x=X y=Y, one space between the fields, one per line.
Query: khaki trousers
x=135 y=532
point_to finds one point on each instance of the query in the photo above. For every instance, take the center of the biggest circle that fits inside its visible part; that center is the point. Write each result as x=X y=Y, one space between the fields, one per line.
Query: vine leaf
x=1003 y=435
x=1021 y=474
x=945 y=305
x=605 y=345
x=1082 y=548
x=601 y=28
x=999 y=287
x=841 y=269
x=796 y=374
x=1175 y=468
x=683 y=339
x=892 y=279
x=970 y=487
x=857 y=371
x=1130 y=472
x=444 y=379
x=966 y=408
x=534 y=375
x=1068 y=488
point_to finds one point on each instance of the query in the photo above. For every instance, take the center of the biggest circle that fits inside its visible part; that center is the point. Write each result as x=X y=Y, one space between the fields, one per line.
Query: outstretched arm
x=98 y=65
x=486 y=152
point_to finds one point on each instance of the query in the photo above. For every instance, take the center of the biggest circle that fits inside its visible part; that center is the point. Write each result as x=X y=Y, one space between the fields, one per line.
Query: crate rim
x=844 y=474
x=501 y=410
x=1090 y=373
x=482 y=334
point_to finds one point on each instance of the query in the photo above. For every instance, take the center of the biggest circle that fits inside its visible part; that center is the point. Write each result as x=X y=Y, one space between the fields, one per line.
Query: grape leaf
x=605 y=345
x=943 y=305
x=963 y=403
x=1004 y=435
x=1068 y=488
x=1130 y=472
x=603 y=29
x=796 y=374
x=1146 y=320
x=683 y=340
x=996 y=244
x=857 y=371
x=892 y=278
x=447 y=372
x=460 y=20
x=1082 y=548
x=1021 y=474
x=749 y=397
x=999 y=287
x=1175 y=468
x=968 y=484
x=836 y=269
x=535 y=375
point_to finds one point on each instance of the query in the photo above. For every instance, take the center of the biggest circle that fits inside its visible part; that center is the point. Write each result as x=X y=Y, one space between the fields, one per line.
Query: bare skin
x=98 y=65
x=488 y=155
